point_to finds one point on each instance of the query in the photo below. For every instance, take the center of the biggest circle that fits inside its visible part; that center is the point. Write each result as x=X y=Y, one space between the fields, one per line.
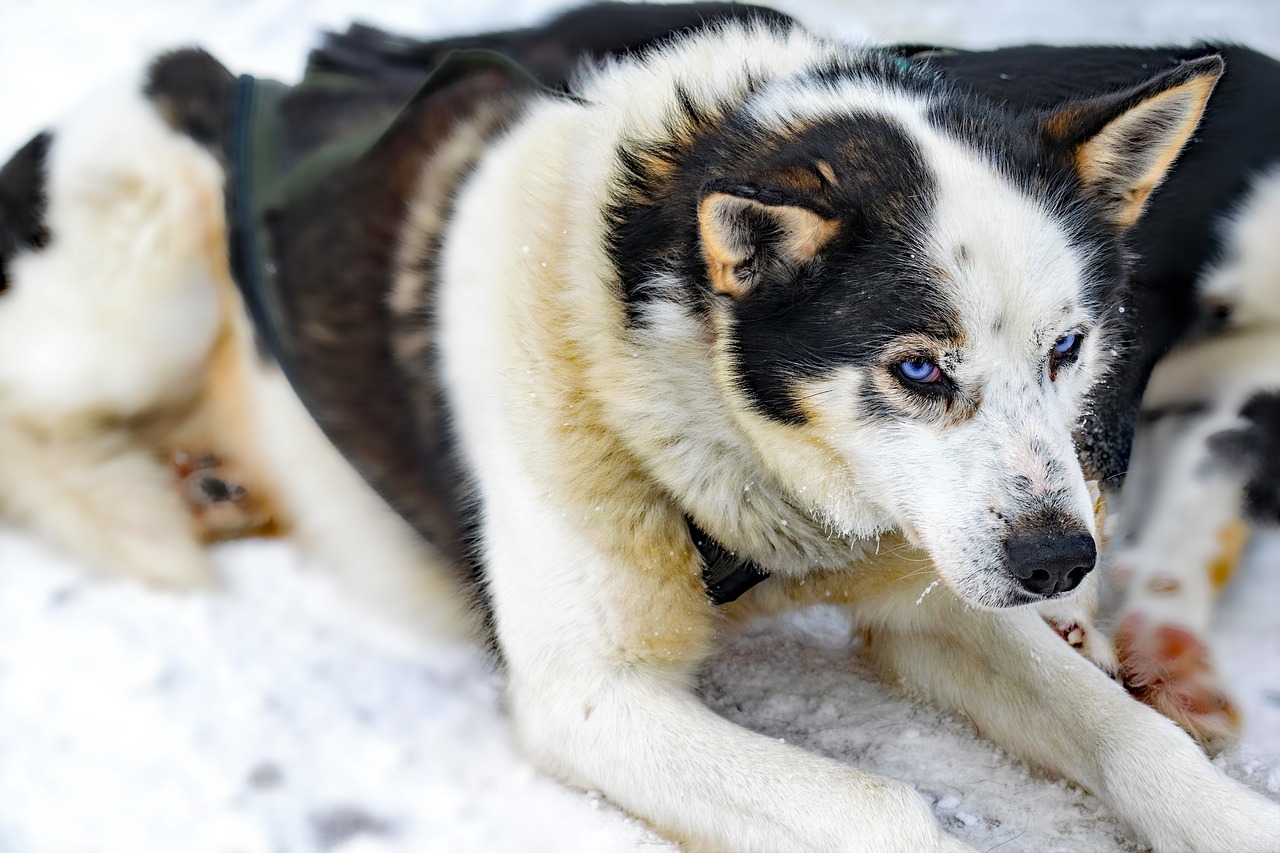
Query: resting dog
x=1203 y=276
x=689 y=330
x=748 y=306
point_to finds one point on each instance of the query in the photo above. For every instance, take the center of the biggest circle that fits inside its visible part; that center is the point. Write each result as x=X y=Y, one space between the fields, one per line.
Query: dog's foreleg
x=102 y=498
x=1186 y=545
x=601 y=632
x=1023 y=688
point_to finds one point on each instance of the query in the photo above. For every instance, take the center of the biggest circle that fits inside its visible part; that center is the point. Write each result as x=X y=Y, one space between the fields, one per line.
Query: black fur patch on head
x=867 y=285
x=1254 y=449
x=194 y=93
x=22 y=203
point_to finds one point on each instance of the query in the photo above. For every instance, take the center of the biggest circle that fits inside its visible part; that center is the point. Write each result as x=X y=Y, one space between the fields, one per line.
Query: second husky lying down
x=747 y=307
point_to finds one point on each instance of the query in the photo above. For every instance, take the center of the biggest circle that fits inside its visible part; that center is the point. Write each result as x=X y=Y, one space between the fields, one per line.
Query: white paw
x=1075 y=625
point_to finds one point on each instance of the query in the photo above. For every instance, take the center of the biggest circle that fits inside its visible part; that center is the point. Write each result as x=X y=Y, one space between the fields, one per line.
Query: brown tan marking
x=1171 y=669
x=1108 y=161
x=1231 y=542
x=221 y=421
x=728 y=245
x=658 y=611
x=828 y=174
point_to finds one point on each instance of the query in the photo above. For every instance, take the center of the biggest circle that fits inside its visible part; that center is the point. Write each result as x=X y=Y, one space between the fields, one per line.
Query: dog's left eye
x=1064 y=351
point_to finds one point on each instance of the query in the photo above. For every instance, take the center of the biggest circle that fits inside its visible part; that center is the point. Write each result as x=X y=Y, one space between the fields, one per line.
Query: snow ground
x=273 y=716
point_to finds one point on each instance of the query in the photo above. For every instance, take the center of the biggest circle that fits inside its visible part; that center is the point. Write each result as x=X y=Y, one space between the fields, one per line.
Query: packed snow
x=275 y=716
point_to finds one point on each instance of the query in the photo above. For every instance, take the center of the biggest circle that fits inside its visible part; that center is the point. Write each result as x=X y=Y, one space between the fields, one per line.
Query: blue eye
x=1064 y=352
x=920 y=371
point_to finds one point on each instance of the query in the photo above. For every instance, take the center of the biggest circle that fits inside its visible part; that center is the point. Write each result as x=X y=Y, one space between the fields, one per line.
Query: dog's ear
x=743 y=237
x=1123 y=144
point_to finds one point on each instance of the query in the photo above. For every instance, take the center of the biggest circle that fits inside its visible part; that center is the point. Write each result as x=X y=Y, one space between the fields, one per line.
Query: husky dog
x=759 y=320
x=1202 y=253
x=748 y=321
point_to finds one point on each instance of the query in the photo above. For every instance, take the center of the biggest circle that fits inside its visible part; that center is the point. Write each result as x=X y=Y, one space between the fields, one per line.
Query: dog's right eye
x=919 y=372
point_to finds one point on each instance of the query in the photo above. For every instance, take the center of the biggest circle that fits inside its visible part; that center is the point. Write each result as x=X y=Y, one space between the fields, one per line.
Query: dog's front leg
x=600 y=633
x=1029 y=692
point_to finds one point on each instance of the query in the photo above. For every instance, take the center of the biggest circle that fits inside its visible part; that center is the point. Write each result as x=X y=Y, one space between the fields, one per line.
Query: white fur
x=126 y=272
x=1178 y=497
x=113 y=320
x=107 y=337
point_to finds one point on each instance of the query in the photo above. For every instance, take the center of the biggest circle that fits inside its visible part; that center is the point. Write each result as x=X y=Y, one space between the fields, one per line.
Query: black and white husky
x=748 y=321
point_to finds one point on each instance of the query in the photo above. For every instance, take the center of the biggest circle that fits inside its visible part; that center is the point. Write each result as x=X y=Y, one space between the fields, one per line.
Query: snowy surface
x=274 y=716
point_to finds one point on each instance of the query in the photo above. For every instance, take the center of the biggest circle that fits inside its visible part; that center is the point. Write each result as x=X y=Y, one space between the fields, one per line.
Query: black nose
x=1050 y=563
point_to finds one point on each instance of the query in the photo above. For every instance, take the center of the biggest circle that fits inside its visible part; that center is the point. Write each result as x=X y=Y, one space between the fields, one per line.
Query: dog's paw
x=221 y=505
x=1170 y=669
x=1074 y=625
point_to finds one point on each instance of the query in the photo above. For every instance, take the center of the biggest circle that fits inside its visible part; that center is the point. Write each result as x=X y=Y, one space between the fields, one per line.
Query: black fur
x=334 y=244
x=1254 y=449
x=550 y=51
x=801 y=319
x=22 y=203
x=365 y=75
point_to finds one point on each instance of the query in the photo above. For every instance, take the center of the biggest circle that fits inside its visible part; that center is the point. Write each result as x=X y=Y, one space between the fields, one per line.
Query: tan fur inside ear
x=738 y=234
x=1131 y=155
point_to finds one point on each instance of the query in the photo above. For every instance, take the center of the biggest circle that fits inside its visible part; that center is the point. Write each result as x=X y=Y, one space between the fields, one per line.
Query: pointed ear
x=1124 y=144
x=743 y=237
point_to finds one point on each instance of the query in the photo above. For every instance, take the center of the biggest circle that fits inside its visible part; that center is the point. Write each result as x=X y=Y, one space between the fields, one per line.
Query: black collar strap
x=725 y=574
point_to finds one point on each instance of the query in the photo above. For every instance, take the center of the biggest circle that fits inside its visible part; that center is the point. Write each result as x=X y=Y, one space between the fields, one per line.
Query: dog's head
x=925 y=295
x=909 y=294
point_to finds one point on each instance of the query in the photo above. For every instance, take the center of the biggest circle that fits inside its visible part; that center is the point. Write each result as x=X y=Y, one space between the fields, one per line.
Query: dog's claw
x=1170 y=669
x=1081 y=635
